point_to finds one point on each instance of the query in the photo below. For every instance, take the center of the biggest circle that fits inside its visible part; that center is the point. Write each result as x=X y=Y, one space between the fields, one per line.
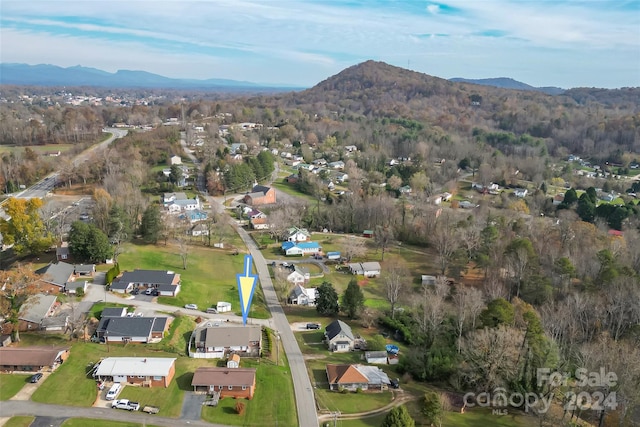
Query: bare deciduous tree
x=395 y=281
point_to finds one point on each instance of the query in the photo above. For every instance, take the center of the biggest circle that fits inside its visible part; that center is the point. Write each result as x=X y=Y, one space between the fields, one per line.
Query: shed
x=223 y=307
x=333 y=255
x=234 y=361
x=367 y=233
x=377 y=357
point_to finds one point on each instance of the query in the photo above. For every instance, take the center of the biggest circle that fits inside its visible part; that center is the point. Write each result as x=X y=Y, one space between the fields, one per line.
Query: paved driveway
x=192 y=406
x=29 y=388
x=47 y=422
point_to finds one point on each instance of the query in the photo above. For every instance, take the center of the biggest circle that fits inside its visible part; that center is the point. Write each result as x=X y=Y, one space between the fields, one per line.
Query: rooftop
x=144 y=366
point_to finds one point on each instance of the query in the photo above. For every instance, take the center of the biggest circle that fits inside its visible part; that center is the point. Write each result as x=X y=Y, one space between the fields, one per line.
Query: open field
x=210 y=275
x=40 y=149
x=10 y=384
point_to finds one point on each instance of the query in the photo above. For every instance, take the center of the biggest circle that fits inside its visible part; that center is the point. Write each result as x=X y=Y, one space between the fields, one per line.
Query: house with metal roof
x=300 y=248
x=339 y=336
x=145 y=371
x=354 y=377
x=367 y=269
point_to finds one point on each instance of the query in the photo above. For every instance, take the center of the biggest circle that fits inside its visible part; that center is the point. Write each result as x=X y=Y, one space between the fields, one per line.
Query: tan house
x=31 y=359
x=236 y=383
x=144 y=371
x=354 y=377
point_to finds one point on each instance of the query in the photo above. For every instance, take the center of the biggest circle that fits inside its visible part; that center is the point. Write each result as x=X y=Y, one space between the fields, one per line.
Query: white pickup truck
x=126 y=404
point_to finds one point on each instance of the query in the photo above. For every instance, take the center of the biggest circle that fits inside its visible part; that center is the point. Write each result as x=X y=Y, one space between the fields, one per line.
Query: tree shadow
x=184 y=381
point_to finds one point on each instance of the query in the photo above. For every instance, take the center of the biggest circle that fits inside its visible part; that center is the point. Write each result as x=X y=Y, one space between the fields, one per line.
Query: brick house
x=260 y=195
x=238 y=383
x=31 y=359
x=145 y=371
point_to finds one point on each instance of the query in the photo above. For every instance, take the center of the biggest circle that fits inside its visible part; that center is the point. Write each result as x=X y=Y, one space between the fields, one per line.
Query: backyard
x=210 y=275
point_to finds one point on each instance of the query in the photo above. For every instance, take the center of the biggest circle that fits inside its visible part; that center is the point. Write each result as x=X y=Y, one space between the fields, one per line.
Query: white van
x=113 y=391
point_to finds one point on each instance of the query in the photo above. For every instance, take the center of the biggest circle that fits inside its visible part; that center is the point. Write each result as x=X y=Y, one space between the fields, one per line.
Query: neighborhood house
x=295 y=234
x=220 y=341
x=61 y=277
x=339 y=336
x=302 y=296
x=367 y=269
x=167 y=283
x=132 y=329
x=236 y=383
x=301 y=248
x=31 y=359
x=354 y=377
x=260 y=195
x=145 y=371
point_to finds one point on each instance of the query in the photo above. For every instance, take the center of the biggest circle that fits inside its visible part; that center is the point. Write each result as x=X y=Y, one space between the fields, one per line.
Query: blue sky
x=302 y=42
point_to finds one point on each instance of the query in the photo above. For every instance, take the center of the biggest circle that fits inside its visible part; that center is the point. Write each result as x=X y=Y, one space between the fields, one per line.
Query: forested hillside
x=523 y=203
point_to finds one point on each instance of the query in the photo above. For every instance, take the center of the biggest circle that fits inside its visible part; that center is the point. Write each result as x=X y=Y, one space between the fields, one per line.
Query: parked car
x=35 y=378
x=125 y=404
x=149 y=291
x=155 y=293
x=212 y=310
x=136 y=291
x=84 y=216
x=191 y=306
x=113 y=391
x=313 y=326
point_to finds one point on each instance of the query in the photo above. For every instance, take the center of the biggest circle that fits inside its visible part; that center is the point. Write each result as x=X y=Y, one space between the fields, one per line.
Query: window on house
x=157 y=378
x=230 y=387
x=141 y=376
x=244 y=387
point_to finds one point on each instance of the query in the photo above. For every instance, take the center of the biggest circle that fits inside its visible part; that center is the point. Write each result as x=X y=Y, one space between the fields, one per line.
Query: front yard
x=10 y=384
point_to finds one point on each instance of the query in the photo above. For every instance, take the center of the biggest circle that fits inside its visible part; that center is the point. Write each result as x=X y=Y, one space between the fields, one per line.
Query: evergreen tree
x=398 y=417
x=586 y=208
x=498 y=312
x=352 y=299
x=327 y=300
x=151 y=224
x=88 y=243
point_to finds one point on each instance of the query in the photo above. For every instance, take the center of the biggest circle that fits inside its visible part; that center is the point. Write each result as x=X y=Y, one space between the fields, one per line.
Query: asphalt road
x=305 y=397
x=11 y=408
x=41 y=188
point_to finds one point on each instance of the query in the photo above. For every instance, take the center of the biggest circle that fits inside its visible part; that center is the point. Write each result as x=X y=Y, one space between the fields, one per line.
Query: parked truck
x=126 y=404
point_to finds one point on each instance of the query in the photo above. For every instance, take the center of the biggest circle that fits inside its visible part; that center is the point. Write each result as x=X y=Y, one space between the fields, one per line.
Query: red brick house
x=260 y=195
x=31 y=359
x=239 y=383
x=144 y=371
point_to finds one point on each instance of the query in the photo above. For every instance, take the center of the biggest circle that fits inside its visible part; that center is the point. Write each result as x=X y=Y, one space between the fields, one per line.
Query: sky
x=302 y=42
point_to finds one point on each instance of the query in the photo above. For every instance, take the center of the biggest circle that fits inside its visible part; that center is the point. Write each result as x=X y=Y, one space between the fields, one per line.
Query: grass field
x=10 y=384
x=285 y=187
x=40 y=149
x=210 y=275
x=273 y=403
x=19 y=421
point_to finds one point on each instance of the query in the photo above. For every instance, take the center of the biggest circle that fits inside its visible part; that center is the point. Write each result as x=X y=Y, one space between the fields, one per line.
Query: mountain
x=53 y=75
x=509 y=83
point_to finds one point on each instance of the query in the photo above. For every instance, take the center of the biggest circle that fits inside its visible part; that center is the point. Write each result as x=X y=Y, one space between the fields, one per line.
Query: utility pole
x=277 y=349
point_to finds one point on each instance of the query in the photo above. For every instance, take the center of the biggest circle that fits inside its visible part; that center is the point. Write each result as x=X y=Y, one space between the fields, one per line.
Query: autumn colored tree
x=25 y=229
x=17 y=286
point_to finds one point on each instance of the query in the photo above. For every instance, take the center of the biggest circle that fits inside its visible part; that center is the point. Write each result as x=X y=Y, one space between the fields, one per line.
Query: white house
x=175 y=160
x=302 y=296
x=295 y=234
x=367 y=269
x=199 y=230
x=520 y=192
x=376 y=357
x=177 y=206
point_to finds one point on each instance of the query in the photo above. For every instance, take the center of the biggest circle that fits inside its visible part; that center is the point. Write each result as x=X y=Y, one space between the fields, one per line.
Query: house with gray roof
x=167 y=283
x=61 y=276
x=220 y=341
x=367 y=269
x=339 y=336
x=132 y=329
x=37 y=308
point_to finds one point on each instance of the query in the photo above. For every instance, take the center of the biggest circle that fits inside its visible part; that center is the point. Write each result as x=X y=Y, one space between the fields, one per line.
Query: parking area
x=305 y=326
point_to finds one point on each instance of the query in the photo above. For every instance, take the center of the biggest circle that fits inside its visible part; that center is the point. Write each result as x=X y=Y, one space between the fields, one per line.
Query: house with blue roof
x=300 y=248
x=194 y=215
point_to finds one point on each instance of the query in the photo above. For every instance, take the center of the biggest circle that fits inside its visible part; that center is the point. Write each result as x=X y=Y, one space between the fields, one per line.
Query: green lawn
x=10 y=384
x=83 y=422
x=362 y=422
x=19 y=421
x=273 y=403
x=210 y=275
x=169 y=399
x=71 y=384
x=285 y=187
x=351 y=403
x=40 y=149
x=483 y=418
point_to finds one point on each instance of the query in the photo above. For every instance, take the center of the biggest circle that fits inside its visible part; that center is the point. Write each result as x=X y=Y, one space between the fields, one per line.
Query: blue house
x=300 y=248
x=194 y=215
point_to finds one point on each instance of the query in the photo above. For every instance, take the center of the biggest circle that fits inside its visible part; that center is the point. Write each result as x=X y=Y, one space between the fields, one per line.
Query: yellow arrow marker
x=246 y=287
